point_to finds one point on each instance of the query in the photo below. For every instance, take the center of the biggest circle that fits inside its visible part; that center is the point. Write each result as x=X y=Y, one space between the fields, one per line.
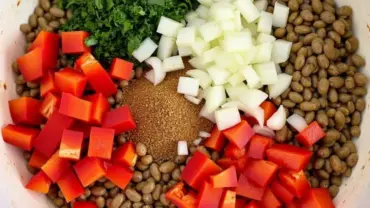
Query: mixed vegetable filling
x=167 y=103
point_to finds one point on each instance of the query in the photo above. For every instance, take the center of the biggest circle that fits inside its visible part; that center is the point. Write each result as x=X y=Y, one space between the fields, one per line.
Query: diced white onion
x=261 y=5
x=227 y=117
x=205 y=114
x=192 y=99
x=209 y=56
x=204 y=134
x=265 y=23
x=186 y=36
x=159 y=73
x=218 y=75
x=280 y=15
x=264 y=131
x=191 y=16
x=197 y=22
x=267 y=73
x=197 y=62
x=145 y=50
x=173 y=63
x=182 y=148
x=281 y=51
x=185 y=51
x=200 y=46
x=168 y=27
x=235 y=92
x=203 y=77
x=247 y=9
x=251 y=76
x=277 y=120
x=238 y=21
x=236 y=79
x=150 y=76
x=297 y=122
x=215 y=98
x=197 y=141
x=236 y=42
x=263 y=53
x=278 y=69
x=202 y=11
x=265 y=38
x=166 y=46
x=207 y=3
x=281 y=85
x=188 y=86
x=253 y=98
x=222 y=11
x=210 y=31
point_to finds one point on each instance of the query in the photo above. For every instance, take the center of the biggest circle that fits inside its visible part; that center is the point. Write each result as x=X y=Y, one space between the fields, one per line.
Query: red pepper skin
x=55 y=167
x=294 y=204
x=269 y=200
x=70 y=81
x=179 y=196
x=99 y=108
x=89 y=170
x=119 y=175
x=121 y=69
x=240 y=202
x=260 y=172
x=49 y=105
x=252 y=204
x=295 y=182
x=49 y=43
x=289 y=156
x=47 y=83
x=258 y=146
x=19 y=136
x=225 y=179
x=37 y=160
x=269 y=109
x=74 y=42
x=240 y=134
x=209 y=197
x=83 y=127
x=119 y=119
x=25 y=110
x=317 y=198
x=234 y=152
x=228 y=199
x=31 y=65
x=75 y=107
x=281 y=192
x=226 y=162
x=101 y=143
x=71 y=144
x=241 y=163
x=125 y=155
x=70 y=186
x=40 y=183
x=216 y=141
x=311 y=134
x=49 y=138
x=249 y=189
x=84 y=204
x=98 y=78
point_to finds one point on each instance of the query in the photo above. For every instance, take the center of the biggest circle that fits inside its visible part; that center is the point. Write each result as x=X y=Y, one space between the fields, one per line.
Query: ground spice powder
x=163 y=116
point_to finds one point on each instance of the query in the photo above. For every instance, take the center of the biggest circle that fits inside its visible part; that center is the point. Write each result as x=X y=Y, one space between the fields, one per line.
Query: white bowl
x=13 y=173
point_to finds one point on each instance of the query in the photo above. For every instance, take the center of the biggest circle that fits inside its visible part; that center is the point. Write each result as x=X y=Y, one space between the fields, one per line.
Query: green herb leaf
x=110 y=4
x=99 y=4
x=91 y=41
x=156 y=2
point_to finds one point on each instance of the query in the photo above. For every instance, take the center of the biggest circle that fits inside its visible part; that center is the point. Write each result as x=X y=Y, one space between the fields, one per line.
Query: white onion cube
x=222 y=11
x=261 y=5
x=202 y=11
x=192 y=99
x=280 y=15
x=277 y=120
x=145 y=50
x=251 y=77
x=209 y=56
x=182 y=148
x=205 y=114
x=203 y=77
x=218 y=75
x=238 y=21
x=191 y=16
x=297 y=122
x=169 y=27
x=207 y=3
x=281 y=51
x=186 y=36
x=266 y=72
x=173 y=63
x=265 y=38
x=253 y=98
x=166 y=46
x=215 y=97
x=236 y=79
x=265 y=23
x=237 y=42
x=185 y=51
x=204 y=134
x=197 y=62
x=197 y=22
x=197 y=141
x=235 y=92
x=263 y=53
x=228 y=25
x=210 y=31
x=227 y=118
x=247 y=9
x=281 y=85
x=200 y=46
x=188 y=86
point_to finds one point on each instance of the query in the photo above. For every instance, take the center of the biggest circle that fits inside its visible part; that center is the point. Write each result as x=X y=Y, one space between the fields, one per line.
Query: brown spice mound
x=163 y=116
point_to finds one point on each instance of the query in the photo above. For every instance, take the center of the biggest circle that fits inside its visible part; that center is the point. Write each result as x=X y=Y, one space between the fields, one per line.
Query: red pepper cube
x=311 y=134
x=269 y=109
x=225 y=179
x=240 y=134
x=49 y=105
x=89 y=170
x=121 y=69
x=84 y=204
x=31 y=65
x=101 y=143
x=228 y=199
x=252 y=204
x=241 y=163
x=234 y=152
x=281 y=192
x=119 y=175
x=40 y=183
x=269 y=200
x=119 y=119
x=258 y=146
x=209 y=196
x=71 y=144
x=289 y=156
x=294 y=204
x=198 y=169
x=98 y=78
x=125 y=154
x=295 y=182
x=70 y=186
x=47 y=142
x=226 y=162
x=75 y=107
x=47 y=83
x=25 y=110
x=99 y=108
x=55 y=167
x=49 y=43
x=261 y=172
x=179 y=196
x=74 y=42
x=37 y=160
x=317 y=198
x=19 y=136
x=83 y=127
x=216 y=141
x=249 y=189
x=70 y=81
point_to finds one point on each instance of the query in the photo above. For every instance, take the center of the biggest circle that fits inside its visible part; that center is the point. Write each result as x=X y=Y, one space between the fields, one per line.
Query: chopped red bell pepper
x=260 y=172
x=49 y=105
x=47 y=83
x=47 y=142
x=249 y=189
x=252 y=204
x=240 y=134
x=311 y=134
x=216 y=141
x=74 y=42
x=228 y=199
x=25 y=110
x=55 y=167
x=75 y=107
x=19 y=136
x=240 y=202
x=89 y=170
x=225 y=179
x=125 y=154
x=179 y=196
x=84 y=204
x=241 y=163
x=70 y=186
x=37 y=160
x=96 y=75
x=226 y=162
x=198 y=169
x=234 y=152
x=281 y=192
x=40 y=183
x=49 y=43
x=121 y=69
x=289 y=156
x=83 y=127
x=119 y=119
x=269 y=109
x=258 y=146
x=294 y=204
x=269 y=200
x=31 y=65
x=70 y=81
x=99 y=108
x=101 y=143
x=71 y=144
x=295 y=182
x=317 y=198
x=119 y=175
x=209 y=197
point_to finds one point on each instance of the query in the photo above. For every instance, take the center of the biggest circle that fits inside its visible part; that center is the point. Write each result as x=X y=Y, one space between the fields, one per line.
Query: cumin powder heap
x=163 y=116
